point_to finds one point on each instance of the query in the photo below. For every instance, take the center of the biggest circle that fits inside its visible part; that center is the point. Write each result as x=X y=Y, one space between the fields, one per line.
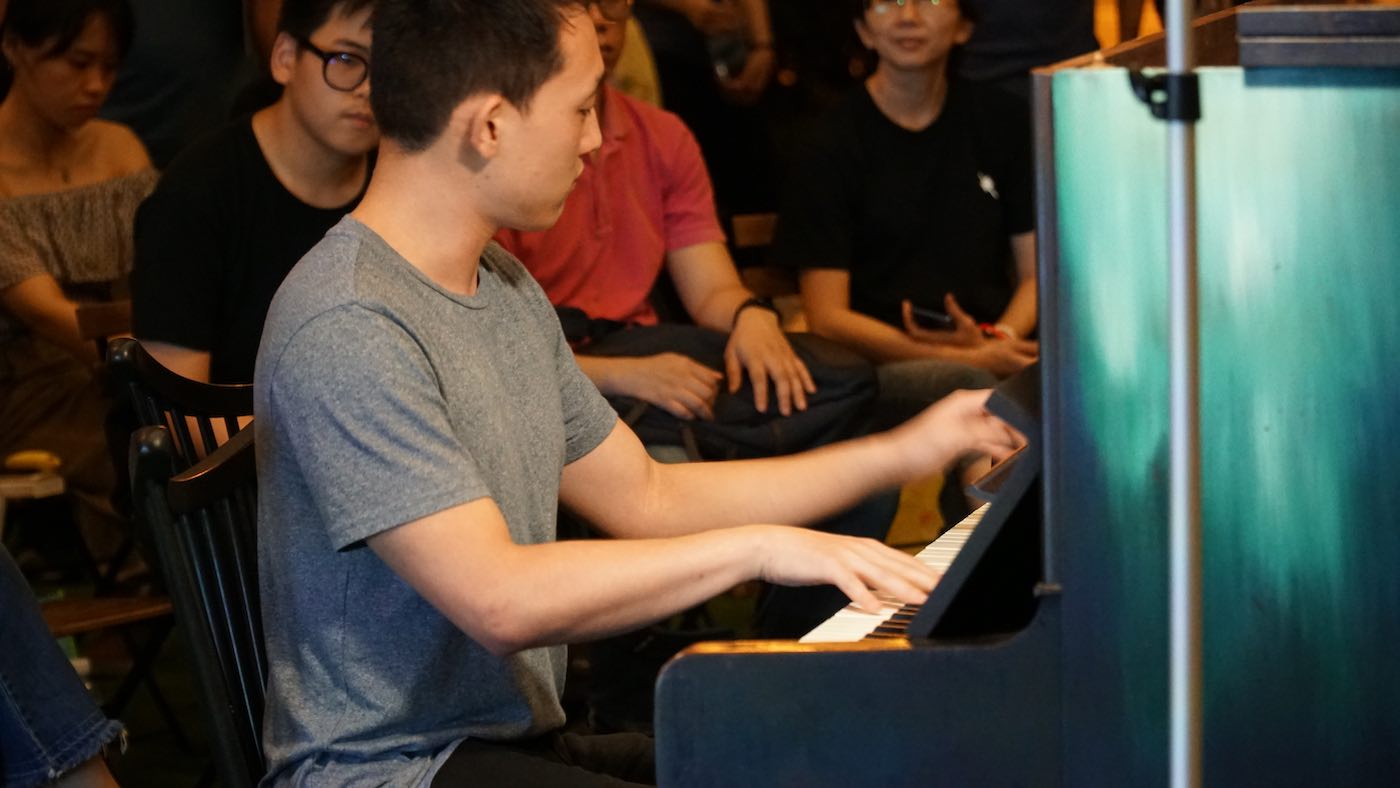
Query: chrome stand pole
x=1185 y=485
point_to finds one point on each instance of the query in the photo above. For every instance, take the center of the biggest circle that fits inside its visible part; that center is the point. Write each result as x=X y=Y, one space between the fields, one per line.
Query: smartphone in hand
x=931 y=319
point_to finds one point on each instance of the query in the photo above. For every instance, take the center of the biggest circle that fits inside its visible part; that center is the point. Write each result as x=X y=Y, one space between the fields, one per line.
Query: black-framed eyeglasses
x=343 y=71
x=886 y=6
x=613 y=10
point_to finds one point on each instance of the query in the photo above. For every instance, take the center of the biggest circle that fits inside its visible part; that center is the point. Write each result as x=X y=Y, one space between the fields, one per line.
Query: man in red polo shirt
x=645 y=201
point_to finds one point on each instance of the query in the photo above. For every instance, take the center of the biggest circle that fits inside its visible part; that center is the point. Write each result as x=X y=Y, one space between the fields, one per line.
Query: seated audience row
x=388 y=414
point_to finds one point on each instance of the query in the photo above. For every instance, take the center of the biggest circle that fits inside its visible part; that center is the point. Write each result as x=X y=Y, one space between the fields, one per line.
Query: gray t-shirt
x=382 y=398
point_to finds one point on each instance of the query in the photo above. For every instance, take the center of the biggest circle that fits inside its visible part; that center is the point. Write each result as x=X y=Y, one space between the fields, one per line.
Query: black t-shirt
x=213 y=243
x=913 y=214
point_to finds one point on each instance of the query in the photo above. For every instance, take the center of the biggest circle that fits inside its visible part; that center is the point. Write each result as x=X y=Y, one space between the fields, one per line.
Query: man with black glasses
x=234 y=212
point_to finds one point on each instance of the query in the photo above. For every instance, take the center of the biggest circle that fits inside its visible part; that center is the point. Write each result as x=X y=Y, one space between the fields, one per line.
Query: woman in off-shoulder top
x=69 y=187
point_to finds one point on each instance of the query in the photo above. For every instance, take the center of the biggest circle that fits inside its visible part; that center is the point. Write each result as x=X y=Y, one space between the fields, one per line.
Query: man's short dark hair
x=56 y=24
x=300 y=18
x=430 y=55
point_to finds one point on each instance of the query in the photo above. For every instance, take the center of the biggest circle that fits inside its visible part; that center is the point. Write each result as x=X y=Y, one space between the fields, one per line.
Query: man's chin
x=538 y=224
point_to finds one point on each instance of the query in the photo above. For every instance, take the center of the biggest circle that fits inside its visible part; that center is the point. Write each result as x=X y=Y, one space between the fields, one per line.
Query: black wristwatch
x=758 y=301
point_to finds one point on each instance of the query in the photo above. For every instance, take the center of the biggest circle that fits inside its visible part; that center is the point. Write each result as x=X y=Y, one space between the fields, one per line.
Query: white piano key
x=851 y=624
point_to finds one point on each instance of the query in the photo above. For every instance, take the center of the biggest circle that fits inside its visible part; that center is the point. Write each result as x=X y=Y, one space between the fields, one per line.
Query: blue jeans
x=48 y=722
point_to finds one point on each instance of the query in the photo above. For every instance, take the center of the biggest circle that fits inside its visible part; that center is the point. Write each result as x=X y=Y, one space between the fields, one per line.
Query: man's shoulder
x=322 y=281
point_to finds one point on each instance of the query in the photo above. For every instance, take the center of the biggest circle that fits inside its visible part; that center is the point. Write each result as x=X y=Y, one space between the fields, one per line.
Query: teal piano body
x=1298 y=175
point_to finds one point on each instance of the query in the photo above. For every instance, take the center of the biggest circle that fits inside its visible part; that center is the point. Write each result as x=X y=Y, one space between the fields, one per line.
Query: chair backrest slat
x=204 y=521
x=163 y=398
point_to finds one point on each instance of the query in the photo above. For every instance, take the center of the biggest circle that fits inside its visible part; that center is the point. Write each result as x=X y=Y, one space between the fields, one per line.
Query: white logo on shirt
x=988 y=185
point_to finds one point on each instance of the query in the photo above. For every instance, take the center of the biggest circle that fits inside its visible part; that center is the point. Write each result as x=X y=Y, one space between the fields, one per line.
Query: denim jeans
x=49 y=723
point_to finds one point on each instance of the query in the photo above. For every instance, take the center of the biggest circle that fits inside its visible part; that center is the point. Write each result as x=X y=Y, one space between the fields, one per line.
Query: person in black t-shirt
x=236 y=211
x=916 y=192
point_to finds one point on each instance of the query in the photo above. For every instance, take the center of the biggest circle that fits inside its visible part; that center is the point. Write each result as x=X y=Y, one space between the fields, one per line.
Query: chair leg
x=143 y=658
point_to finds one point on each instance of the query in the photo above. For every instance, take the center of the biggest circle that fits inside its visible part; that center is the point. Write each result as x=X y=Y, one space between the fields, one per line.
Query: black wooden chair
x=200 y=416
x=204 y=524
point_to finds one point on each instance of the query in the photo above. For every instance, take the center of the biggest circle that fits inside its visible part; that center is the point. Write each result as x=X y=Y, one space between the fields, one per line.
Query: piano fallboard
x=877 y=712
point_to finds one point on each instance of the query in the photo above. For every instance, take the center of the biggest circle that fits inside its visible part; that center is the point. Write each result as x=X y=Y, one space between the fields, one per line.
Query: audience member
x=51 y=731
x=643 y=205
x=420 y=417
x=236 y=211
x=916 y=192
x=69 y=186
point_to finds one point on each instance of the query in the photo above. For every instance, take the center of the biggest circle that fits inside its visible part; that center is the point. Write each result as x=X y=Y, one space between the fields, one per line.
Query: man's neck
x=414 y=205
x=910 y=99
x=317 y=176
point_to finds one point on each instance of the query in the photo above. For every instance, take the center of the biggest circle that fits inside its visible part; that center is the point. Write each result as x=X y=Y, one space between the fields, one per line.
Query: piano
x=1040 y=659
x=771 y=713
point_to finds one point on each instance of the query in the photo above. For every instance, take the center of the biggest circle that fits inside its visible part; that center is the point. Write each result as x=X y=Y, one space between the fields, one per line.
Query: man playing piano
x=420 y=417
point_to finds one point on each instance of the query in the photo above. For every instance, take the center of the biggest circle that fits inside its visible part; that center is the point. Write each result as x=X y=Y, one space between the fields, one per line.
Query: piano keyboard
x=851 y=624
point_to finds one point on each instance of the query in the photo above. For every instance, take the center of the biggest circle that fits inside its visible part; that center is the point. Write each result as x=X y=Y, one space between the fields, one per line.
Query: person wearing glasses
x=235 y=211
x=909 y=214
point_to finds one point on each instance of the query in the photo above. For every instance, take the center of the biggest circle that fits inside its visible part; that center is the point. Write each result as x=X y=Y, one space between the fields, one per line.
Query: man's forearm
x=584 y=590
x=877 y=341
x=604 y=371
x=1020 y=312
x=716 y=311
x=796 y=489
x=510 y=597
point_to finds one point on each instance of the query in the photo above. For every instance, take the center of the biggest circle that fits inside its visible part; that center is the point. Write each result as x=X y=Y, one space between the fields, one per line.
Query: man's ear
x=282 y=63
x=964 y=31
x=479 y=123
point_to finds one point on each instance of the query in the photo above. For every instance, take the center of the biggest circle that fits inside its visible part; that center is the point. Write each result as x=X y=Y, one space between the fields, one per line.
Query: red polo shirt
x=644 y=193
